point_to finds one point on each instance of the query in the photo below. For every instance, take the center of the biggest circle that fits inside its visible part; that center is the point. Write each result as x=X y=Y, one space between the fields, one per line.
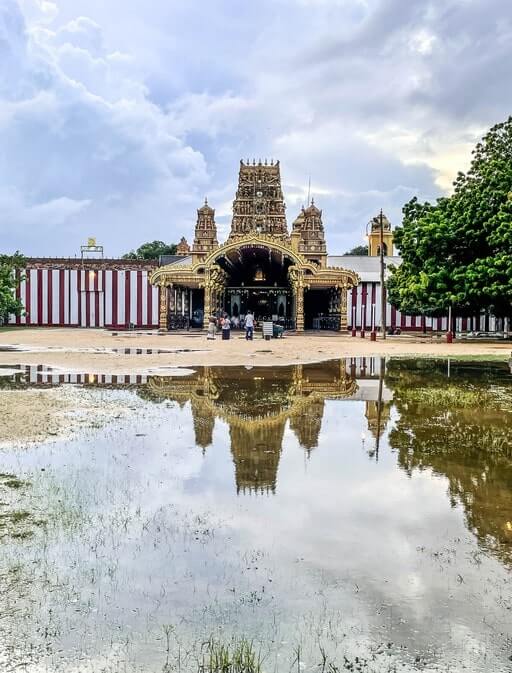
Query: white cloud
x=422 y=42
x=139 y=113
x=80 y=135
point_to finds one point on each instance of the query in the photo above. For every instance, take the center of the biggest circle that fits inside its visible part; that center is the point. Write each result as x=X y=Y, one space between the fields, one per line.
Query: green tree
x=458 y=251
x=9 y=280
x=359 y=250
x=151 y=250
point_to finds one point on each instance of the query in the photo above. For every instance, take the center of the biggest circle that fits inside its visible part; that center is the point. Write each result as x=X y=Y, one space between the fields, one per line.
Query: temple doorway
x=257 y=281
x=266 y=303
x=318 y=310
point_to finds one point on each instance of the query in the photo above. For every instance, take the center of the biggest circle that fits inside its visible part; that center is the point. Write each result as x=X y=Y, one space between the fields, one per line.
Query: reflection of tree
x=460 y=428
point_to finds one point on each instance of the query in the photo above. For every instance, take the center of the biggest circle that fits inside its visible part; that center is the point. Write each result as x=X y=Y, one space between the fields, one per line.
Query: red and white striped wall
x=114 y=298
x=108 y=295
x=37 y=375
x=364 y=311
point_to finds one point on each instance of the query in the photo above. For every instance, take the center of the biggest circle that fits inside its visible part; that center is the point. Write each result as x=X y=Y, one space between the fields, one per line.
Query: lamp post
x=449 y=333
x=382 y=286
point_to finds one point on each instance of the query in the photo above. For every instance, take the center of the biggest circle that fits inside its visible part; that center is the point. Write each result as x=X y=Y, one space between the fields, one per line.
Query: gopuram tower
x=259 y=205
x=205 y=238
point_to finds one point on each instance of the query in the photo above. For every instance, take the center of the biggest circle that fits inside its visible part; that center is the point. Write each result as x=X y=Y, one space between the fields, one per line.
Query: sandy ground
x=35 y=415
x=91 y=350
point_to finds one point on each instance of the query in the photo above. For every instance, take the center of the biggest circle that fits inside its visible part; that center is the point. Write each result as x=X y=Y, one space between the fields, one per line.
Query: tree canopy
x=458 y=251
x=151 y=250
x=9 y=280
x=358 y=250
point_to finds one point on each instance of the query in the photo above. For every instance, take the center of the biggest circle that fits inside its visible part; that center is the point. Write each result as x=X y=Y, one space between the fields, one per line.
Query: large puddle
x=351 y=515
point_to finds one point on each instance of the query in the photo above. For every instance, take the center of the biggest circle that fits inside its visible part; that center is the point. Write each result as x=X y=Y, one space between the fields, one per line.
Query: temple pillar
x=297 y=282
x=172 y=299
x=299 y=307
x=207 y=306
x=163 y=322
x=343 y=308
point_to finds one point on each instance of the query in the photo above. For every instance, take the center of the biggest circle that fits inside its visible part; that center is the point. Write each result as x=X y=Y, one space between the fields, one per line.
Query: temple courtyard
x=100 y=351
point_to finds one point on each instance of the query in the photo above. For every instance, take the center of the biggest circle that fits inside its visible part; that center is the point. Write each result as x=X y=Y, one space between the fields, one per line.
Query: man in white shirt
x=249 y=326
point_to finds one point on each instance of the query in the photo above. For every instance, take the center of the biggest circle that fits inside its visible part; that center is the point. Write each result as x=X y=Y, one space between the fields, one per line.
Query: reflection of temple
x=377 y=414
x=256 y=452
x=258 y=404
x=307 y=425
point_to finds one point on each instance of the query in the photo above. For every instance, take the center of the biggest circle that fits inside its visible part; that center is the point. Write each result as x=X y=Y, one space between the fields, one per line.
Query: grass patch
x=14 y=483
x=503 y=356
x=450 y=396
x=239 y=656
x=15 y=517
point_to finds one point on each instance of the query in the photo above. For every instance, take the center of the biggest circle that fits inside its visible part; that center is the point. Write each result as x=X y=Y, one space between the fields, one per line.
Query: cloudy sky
x=117 y=117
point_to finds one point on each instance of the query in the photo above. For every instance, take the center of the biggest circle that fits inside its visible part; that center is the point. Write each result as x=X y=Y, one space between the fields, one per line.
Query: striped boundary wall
x=119 y=298
x=93 y=297
x=364 y=311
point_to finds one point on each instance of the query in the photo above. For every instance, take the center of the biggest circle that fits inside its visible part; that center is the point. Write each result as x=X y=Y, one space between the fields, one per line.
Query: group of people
x=225 y=323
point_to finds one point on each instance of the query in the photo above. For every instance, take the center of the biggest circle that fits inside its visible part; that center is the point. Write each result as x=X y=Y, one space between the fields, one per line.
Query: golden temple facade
x=262 y=267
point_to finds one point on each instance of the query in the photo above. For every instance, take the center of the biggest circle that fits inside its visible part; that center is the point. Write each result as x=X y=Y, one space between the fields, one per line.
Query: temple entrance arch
x=263 y=275
x=258 y=280
x=256 y=272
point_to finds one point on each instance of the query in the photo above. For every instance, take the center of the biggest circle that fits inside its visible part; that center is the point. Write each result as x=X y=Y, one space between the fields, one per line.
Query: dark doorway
x=257 y=266
x=258 y=281
x=316 y=305
x=197 y=308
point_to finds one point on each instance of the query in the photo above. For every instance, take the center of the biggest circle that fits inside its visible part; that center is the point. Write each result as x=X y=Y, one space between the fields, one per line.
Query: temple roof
x=173 y=259
x=375 y=223
x=311 y=209
x=366 y=267
x=205 y=208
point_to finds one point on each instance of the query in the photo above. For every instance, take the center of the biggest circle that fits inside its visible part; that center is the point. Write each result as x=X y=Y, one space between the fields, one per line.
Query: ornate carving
x=164 y=307
x=311 y=230
x=205 y=239
x=214 y=283
x=296 y=275
x=183 y=248
x=259 y=204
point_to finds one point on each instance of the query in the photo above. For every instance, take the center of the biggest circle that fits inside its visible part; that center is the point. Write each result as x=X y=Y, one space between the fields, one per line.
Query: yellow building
x=374 y=236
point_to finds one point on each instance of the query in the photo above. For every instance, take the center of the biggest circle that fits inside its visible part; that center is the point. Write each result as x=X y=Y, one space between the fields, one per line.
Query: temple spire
x=205 y=238
x=259 y=205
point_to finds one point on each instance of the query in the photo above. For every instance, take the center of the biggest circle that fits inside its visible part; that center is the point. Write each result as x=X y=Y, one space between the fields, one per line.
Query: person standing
x=212 y=327
x=226 y=327
x=249 y=326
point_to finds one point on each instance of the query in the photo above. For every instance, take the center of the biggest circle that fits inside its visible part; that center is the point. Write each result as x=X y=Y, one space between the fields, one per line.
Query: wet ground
x=350 y=515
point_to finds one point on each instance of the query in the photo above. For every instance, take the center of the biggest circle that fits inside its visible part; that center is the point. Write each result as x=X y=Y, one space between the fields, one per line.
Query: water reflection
x=258 y=403
x=151 y=522
x=456 y=421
